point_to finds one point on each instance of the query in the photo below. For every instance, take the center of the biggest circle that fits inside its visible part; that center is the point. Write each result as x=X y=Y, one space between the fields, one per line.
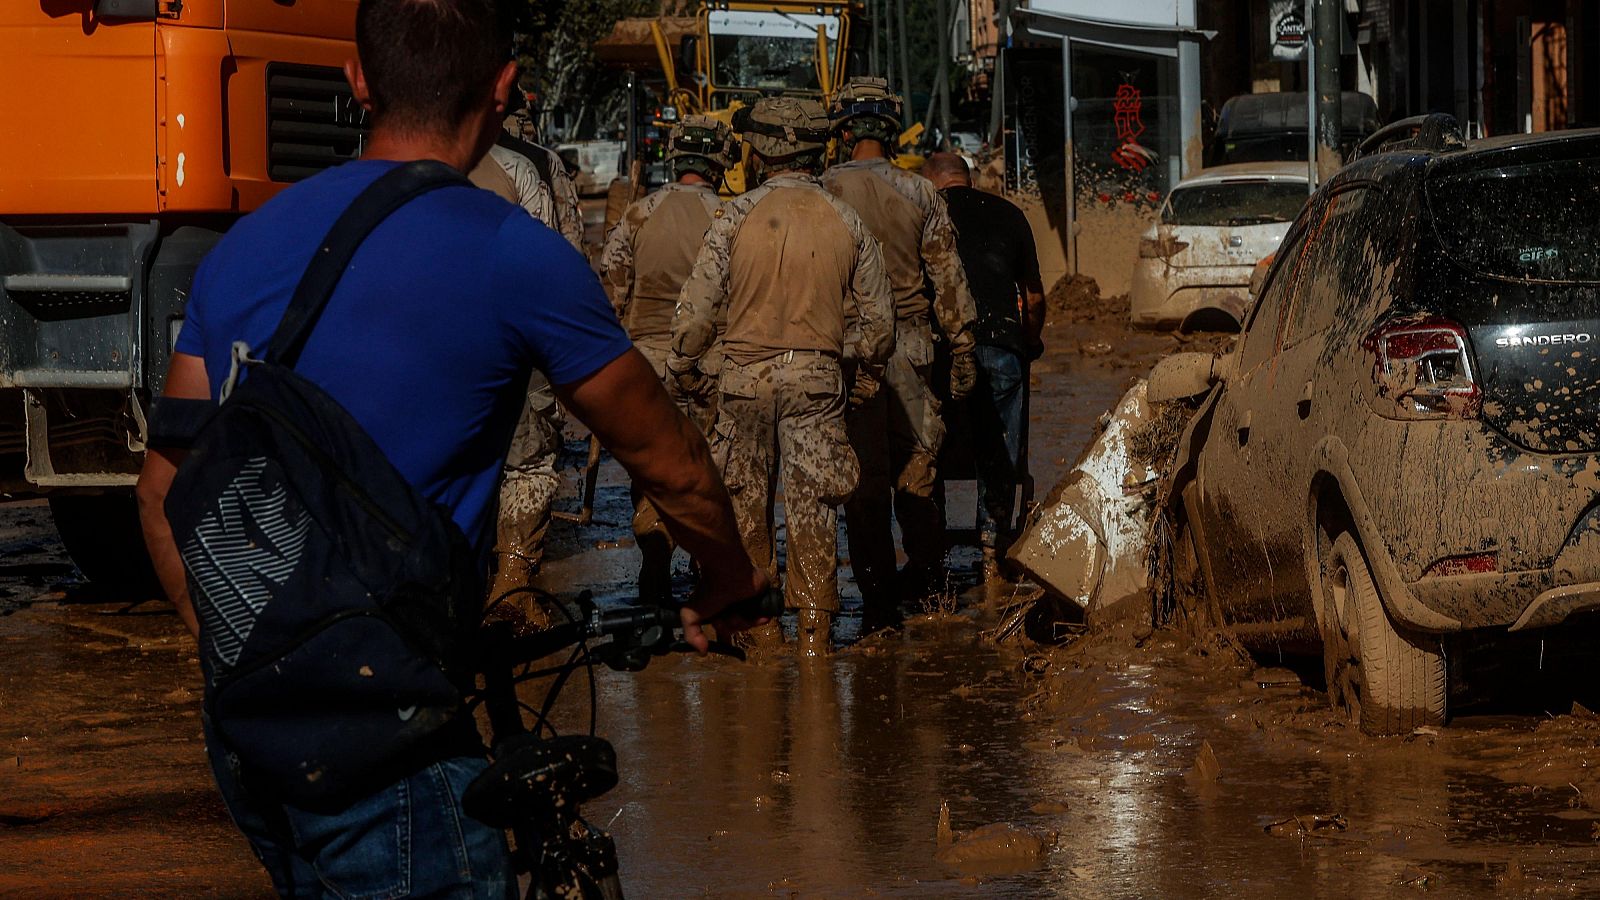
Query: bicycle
x=537 y=783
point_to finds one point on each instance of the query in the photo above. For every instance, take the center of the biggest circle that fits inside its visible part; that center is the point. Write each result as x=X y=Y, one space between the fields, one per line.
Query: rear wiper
x=1255 y=220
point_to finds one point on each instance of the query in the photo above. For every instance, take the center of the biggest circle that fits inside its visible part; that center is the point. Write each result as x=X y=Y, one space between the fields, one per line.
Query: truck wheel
x=102 y=535
x=1388 y=680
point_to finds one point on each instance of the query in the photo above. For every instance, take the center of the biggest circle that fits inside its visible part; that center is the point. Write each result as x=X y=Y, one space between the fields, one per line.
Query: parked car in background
x=1195 y=262
x=1272 y=126
x=1399 y=462
x=598 y=164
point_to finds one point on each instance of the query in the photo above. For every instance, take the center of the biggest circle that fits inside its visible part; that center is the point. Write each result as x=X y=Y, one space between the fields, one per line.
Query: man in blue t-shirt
x=428 y=342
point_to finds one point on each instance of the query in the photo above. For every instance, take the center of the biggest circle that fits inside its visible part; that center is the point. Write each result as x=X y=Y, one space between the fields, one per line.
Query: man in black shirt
x=996 y=248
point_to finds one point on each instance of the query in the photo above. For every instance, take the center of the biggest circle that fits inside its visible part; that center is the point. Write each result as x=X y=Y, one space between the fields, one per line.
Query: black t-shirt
x=996 y=247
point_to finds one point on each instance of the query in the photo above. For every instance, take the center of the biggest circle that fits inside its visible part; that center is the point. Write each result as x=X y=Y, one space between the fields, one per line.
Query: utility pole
x=997 y=104
x=1325 y=35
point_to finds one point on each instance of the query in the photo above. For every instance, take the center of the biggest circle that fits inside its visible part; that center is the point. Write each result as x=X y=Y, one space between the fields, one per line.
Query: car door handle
x=1244 y=428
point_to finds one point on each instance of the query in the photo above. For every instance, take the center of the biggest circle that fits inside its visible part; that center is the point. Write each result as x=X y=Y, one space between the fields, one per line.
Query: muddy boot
x=992 y=571
x=923 y=587
x=761 y=639
x=509 y=597
x=816 y=627
x=880 y=616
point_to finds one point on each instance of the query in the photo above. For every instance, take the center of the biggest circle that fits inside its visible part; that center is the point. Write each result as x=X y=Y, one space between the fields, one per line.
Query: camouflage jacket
x=555 y=204
x=805 y=275
x=910 y=219
x=649 y=254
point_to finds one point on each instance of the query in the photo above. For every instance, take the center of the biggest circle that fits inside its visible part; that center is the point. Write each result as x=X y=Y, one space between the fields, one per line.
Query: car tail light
x=1424 y=370
x=1472 y=564
x=1160 y=248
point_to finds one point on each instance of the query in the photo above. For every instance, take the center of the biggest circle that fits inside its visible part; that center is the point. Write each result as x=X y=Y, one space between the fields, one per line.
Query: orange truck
x=138 y=131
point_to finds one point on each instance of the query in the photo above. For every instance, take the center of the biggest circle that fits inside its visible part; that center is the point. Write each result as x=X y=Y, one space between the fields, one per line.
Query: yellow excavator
x=731 y=53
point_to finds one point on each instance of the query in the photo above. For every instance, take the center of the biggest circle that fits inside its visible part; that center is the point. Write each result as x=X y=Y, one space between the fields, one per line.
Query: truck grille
x=313 y=121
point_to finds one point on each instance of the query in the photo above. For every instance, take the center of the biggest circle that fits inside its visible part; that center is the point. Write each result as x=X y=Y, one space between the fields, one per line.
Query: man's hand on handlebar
x=733 y=602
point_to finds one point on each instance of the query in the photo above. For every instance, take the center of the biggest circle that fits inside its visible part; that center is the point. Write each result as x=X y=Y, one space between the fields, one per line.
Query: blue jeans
x=409 y=840
x=995 y=407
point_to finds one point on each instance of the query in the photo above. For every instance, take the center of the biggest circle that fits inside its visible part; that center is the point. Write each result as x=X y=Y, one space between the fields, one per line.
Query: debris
x=1304 y=826
x=1275 y=677
x=1413 y=877
x=994 y=845
x=1087 y=541
x=1206 y=767
x=1048 y=808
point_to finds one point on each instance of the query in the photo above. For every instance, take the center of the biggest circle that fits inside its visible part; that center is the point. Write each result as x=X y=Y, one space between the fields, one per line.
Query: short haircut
x=428 y=63
x=941 y=164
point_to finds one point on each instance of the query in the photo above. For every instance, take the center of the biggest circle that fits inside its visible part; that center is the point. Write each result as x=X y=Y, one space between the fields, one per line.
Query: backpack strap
x=393 y=190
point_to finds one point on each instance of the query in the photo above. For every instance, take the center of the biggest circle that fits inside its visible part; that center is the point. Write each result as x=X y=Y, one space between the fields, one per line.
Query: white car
x=1195 y=263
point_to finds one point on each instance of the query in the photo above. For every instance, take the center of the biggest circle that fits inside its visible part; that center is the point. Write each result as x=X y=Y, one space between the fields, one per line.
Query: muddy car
x=1195 y=262
x=1401 y=455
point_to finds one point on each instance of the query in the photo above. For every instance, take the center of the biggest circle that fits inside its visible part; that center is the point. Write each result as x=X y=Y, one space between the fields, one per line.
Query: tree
x=570 y=88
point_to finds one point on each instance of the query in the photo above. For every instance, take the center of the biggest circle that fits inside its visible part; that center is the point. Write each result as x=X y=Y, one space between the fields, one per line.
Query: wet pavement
x=1149 y=765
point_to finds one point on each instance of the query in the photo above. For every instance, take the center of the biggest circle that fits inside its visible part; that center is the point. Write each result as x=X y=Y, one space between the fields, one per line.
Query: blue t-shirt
x=431 y=335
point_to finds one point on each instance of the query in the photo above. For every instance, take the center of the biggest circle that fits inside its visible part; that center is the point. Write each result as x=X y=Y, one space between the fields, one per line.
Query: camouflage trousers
x=528 y=486
x=784 y=417
x=650 y=535
x=897 y=436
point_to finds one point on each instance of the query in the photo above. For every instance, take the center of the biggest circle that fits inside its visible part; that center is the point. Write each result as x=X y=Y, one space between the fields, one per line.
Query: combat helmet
x=702 y=145
x=778 y=127
x=866 y=107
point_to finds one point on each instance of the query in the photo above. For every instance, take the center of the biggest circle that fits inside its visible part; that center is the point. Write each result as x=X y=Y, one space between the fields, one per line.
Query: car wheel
x=1388 y=680
x=102 y=535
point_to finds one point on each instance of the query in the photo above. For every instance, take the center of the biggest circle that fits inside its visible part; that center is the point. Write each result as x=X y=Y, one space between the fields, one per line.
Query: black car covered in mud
x=1401 y=455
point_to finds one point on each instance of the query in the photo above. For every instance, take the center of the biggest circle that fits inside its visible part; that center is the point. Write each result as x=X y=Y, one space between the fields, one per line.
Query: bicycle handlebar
x=637 y=632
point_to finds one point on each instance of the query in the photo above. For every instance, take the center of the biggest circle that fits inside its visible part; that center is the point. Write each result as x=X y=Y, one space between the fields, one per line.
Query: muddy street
x=1127 y=764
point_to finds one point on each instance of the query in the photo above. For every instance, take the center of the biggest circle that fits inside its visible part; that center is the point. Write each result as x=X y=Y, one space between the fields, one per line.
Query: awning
x=1158 y=39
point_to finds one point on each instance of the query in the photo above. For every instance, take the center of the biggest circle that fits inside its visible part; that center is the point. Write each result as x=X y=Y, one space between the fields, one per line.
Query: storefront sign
x=1287 y=30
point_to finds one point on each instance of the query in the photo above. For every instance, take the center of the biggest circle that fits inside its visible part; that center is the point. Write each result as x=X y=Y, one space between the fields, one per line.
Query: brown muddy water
x=1131 y=764
x=785 y=779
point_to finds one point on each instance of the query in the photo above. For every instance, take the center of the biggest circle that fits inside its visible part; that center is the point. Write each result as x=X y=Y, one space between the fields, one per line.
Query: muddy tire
x=1390 y=681
x=102 y=535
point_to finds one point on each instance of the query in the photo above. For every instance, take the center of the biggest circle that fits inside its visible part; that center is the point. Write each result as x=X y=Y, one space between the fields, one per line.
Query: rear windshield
x=1534 y=220
x=1235 y=203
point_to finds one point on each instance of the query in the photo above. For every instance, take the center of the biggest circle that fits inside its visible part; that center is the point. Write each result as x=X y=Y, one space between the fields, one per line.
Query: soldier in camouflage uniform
x=802 y=285
x=646 y=260
x=539 y=176
x=897 y=434
x=516 y=170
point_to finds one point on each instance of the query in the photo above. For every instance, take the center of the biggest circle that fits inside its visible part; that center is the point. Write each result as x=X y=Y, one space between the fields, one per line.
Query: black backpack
x=336 y=604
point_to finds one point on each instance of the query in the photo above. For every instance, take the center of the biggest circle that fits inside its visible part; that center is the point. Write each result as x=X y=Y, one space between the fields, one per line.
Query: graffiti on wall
x=1127 y=115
